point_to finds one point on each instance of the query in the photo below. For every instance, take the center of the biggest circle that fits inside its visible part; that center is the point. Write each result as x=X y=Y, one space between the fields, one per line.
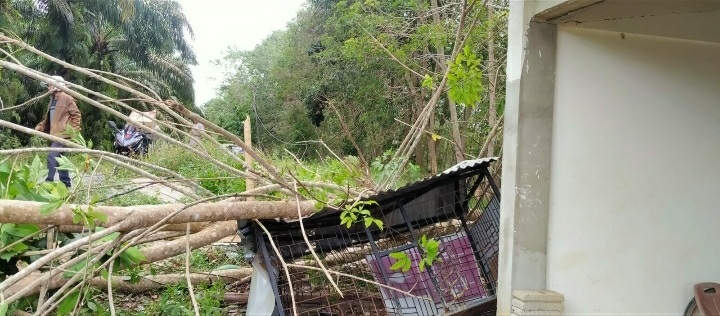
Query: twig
x=235 y=139
x=187 y=272
x=360 y=279
x=391 y=54
x=107 y=155
x=30 y=73
x=25 y=238
x=48 y=305
x=33 y=100
x=349 y=135
x=68 y=143
x=310 y=246
x=111 y=302
x=491 y=136
x=56 y=253
x=284 y=266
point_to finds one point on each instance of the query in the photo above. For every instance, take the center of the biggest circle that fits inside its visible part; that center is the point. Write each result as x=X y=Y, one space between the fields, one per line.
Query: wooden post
x=249 y=183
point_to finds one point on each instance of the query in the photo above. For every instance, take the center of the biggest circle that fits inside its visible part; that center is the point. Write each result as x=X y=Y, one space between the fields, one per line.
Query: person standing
x=62 y=111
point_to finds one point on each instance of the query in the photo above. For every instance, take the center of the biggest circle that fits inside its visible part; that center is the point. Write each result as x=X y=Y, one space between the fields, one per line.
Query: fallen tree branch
x=154 y=282
x=133 y=217
x=105 y=154
x=70 y=144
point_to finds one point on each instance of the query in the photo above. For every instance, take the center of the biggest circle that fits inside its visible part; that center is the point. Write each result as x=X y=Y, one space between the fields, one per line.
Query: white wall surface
x=635 y=180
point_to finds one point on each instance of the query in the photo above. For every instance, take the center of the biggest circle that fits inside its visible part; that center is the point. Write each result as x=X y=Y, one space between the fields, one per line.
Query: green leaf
x=427 y=82
x=407 y=266
x=20 y=230
x=92 y=306
x=68 y=304
x=75 y=269
x=379 y=223
x=368 y=221
x=398 y=255
x=133 y=254
x=95 y=215
x=65 y=164
x=50 y=207
x=38 y=171
x=3 y=309
x=397 y=265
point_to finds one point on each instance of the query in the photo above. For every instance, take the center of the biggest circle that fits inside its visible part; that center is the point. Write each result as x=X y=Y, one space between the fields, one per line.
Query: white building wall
x=634 y=216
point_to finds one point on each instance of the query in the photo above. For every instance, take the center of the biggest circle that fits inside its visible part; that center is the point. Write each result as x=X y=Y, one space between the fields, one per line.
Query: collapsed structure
x=458 y=209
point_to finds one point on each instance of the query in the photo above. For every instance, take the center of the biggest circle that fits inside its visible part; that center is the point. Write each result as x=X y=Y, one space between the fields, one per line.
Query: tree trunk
x=442 y=65
x=133 y=217
x=432 y=145
x=416 y=109
x=492 y=75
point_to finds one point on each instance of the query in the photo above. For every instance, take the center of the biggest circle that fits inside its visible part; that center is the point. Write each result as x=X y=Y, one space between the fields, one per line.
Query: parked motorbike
x=130 y=140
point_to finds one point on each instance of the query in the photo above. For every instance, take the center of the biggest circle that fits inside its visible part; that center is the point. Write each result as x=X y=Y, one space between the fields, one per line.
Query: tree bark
x=416 y=108
x=133 y=217
x=443 y=65
x=492 y=108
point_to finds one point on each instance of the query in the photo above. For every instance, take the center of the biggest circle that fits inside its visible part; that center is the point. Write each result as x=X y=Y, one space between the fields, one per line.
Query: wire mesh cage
x=450 y=221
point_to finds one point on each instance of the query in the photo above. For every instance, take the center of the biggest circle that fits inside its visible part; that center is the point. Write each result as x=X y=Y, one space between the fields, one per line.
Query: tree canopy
x=356 y=74
x=142 y=40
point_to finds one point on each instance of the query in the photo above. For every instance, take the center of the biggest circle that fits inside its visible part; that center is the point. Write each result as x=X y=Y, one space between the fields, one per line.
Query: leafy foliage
x=464 y=79
x=356 y=212
x=343 y=80
x=429 y=249
x=141 y=39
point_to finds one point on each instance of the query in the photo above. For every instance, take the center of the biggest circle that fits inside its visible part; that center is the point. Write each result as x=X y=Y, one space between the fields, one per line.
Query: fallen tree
x=135 y=217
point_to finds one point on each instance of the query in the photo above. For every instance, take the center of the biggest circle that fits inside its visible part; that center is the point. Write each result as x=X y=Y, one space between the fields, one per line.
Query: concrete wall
x=525 y=174
x=635 y=178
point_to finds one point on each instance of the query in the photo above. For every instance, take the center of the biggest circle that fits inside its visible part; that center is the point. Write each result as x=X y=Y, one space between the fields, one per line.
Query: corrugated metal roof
x=460 y=168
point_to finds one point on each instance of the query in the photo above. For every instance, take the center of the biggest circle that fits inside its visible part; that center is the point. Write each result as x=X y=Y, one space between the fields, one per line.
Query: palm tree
x=145 y=40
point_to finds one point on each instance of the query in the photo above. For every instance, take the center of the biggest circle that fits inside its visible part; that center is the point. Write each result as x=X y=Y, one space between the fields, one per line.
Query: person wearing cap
x=62 y=111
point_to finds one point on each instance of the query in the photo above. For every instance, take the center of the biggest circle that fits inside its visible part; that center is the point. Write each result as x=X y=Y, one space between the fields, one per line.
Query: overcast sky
x=219 y=24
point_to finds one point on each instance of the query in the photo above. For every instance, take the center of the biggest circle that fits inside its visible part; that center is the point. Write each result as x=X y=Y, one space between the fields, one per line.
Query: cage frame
x=400 y=198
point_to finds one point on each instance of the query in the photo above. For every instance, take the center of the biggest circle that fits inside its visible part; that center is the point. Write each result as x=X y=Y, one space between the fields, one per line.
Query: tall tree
x=144 y=40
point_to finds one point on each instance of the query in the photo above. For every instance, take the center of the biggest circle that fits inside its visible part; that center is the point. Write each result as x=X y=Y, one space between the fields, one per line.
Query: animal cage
x=458 y=208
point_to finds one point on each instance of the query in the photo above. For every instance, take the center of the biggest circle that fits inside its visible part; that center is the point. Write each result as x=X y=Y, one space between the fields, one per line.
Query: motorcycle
x=130 y=140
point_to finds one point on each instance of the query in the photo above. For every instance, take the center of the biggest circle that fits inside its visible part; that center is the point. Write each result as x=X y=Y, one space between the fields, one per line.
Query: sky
x=219 y=24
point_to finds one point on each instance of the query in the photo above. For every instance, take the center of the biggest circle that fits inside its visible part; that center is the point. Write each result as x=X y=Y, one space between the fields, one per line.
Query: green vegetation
x=330 y=100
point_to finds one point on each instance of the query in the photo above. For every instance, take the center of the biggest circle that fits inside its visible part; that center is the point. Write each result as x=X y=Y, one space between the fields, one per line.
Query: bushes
x=192 y=166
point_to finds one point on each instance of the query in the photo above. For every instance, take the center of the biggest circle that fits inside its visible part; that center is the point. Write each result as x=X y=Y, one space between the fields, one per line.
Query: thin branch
x=70 y=144
x=25 y=238
x=310 y=246
x=187 y=272
x=111 y=302
x=56 y=253
x=491 y=136
x=31 y=101
x=284 y=266
x=360 y=279
x=391 y=54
